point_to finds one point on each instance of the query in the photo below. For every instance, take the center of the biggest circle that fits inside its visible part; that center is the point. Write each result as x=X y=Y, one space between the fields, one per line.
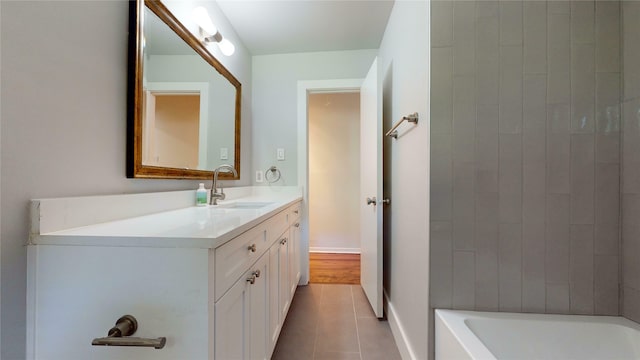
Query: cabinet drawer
x=276 y=226
x=234 y=258
x=295 y=212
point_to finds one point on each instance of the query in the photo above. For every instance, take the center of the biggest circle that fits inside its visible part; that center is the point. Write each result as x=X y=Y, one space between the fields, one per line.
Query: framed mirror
x=183 y=105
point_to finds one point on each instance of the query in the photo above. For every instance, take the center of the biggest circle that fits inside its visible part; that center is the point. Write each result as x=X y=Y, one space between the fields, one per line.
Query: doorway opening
x=370 y=176
x=171 y=130
x=176 y=127
x=334 y=187
x=305 y=90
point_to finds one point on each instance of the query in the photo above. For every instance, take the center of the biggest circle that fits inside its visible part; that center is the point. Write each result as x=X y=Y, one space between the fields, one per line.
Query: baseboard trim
x=334 y=250
x=398 y=332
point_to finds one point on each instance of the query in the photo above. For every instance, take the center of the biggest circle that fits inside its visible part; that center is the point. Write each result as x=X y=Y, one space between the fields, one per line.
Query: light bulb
x=201 y=17
x=226 y=47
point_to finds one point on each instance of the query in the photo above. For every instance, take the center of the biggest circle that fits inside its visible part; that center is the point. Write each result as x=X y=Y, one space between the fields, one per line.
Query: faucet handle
x=222 y=194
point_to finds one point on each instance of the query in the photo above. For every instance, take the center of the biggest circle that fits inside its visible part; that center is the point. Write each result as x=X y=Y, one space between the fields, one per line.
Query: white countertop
x=200 y=227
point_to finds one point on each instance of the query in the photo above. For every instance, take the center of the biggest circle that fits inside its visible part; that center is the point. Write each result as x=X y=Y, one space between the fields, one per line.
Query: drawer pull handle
x=297 y=225
x=252 y=279
x=252 y=248
x=283 y=241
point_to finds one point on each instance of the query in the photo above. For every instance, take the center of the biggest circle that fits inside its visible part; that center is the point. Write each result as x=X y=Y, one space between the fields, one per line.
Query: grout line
x=546 y=156
x=355 y=318
x=620 y=99
x=315 y=339
x=522 y=157
x=595 y=158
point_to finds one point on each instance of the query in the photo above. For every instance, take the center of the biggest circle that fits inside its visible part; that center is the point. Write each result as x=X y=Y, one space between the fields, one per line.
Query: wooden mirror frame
x=135 y=168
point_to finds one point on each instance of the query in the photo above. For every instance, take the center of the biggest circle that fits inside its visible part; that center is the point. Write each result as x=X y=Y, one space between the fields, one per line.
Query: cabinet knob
x=256 y=273
x=252 y=248
x=296 y=211
x=283 y=241
x=297 y=225
x=251 y=279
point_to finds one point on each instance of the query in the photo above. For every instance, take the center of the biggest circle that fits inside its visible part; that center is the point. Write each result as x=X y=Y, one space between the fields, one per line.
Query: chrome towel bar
x=412 y=118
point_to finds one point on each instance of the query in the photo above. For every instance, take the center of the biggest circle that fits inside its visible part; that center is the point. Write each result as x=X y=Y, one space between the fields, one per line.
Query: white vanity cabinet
x=249 y=315
x=213 y=297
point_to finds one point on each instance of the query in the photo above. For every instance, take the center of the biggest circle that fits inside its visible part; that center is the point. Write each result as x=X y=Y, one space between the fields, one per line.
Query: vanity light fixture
x=210 y=33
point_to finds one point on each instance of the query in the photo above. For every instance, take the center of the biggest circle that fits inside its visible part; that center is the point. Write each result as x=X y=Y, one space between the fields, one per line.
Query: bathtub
x=488 y=335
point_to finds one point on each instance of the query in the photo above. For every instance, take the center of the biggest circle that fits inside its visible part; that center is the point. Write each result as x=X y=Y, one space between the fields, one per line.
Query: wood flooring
x=327 y=268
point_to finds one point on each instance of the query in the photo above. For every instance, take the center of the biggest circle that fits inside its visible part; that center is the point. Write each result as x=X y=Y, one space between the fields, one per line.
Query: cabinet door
x=283 y=271
x=242 y=316
x=294 y=257
x=232 y=323
x=259 y=300
x=274 y=292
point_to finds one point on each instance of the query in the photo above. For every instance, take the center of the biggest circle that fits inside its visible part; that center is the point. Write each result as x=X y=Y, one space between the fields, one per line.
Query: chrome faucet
x=215 y=195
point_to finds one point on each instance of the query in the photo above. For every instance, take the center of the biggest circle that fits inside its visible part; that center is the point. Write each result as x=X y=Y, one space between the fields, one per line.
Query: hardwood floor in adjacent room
x=326 y=268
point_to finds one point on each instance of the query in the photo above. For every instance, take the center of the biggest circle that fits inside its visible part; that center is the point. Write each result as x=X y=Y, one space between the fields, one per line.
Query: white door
x=371 y=189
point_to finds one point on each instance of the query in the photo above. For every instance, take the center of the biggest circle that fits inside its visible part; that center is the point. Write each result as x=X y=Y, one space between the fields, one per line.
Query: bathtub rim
x=455 y=322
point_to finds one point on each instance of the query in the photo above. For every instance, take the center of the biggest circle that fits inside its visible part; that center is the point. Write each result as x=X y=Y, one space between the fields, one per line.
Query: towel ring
x=272 y=174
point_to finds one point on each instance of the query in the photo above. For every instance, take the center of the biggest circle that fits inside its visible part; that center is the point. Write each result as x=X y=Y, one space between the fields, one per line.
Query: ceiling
x=291 y=26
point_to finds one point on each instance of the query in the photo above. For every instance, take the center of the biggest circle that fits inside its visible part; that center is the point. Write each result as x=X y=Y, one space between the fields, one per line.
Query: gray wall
x=64 y=123
x=631 y=160
x=525 y=156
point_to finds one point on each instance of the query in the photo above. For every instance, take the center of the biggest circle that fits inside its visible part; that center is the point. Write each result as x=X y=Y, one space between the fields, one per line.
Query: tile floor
x=330 y=321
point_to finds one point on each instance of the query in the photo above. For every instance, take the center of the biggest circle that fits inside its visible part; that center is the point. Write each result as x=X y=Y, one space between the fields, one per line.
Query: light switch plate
x=224 y=154
x=259 y=176
x=280 y=154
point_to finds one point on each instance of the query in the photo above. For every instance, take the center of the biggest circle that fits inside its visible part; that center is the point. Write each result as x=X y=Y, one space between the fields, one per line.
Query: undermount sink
x=245 y=205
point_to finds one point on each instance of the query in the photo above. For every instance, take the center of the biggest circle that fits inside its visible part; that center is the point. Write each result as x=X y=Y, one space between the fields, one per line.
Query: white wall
x=404 y=76
x=334 y=172
x=64 y=124
x=275 y=81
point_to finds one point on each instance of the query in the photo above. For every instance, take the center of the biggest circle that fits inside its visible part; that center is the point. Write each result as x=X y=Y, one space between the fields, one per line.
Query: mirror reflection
x=187 y=104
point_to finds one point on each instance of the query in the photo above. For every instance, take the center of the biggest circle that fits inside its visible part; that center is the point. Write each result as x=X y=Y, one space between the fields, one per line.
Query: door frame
x=304 y=89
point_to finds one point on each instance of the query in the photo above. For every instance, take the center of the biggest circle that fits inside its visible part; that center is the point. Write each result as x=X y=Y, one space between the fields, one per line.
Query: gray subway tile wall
x=631 y=159
x=526 y=99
